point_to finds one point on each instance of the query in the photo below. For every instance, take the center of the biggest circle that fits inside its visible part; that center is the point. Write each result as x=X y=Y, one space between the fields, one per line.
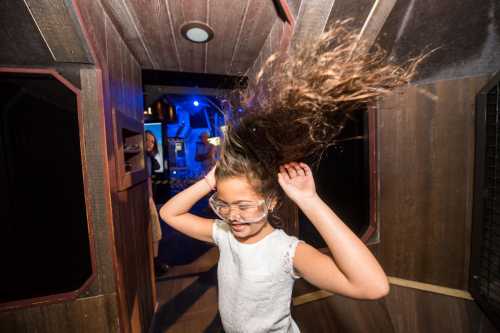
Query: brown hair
x=300 y=103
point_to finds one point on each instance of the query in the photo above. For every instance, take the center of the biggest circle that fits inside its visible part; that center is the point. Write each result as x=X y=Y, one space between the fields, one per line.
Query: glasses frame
x=212 y=203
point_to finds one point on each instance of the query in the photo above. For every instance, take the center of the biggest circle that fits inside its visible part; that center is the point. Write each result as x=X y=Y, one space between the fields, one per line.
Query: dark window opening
x=343 y=181
x=485 y=252
x=44 y=238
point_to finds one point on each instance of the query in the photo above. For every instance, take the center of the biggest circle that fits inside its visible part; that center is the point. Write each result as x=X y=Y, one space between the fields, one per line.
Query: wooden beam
x=375 y=21
x=311 y=21
x=432 y=288
x=60 y=30
x=126 y=23
x=284 y=11
x=152 y=93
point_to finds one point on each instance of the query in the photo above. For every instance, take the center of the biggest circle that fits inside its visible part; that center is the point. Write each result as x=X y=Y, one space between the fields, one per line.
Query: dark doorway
x=44 y=237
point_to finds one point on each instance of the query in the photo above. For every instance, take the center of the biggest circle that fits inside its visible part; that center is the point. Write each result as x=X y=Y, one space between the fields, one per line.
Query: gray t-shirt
x=255 y=281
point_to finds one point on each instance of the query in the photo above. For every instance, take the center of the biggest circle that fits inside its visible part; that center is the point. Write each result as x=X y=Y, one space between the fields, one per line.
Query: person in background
x=152 y=165
x=205 y=153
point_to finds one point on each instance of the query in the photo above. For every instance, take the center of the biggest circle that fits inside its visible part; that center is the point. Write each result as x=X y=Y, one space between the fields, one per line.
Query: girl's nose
x=234 y=214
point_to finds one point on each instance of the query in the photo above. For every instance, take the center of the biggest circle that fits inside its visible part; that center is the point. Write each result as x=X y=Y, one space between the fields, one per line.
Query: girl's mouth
x=239 y=227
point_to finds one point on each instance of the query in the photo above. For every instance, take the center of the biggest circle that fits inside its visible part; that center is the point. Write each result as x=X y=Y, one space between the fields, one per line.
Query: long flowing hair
x=300 y=102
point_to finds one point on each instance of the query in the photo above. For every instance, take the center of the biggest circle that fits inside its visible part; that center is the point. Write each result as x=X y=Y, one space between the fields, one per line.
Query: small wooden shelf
x=129 y=150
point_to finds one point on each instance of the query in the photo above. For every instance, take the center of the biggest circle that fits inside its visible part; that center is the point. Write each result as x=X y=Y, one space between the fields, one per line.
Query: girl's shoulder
x=220 y=231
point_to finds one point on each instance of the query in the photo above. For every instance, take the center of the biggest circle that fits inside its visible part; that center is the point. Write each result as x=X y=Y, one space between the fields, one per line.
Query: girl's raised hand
x=210 y=178
x=297 y=181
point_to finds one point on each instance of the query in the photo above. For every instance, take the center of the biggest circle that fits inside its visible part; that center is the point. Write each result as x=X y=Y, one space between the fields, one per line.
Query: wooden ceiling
x=151 y=29
x=49 y=33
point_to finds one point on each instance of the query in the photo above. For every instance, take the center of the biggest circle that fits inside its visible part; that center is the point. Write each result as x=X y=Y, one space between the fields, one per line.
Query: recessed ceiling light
x=197 y=32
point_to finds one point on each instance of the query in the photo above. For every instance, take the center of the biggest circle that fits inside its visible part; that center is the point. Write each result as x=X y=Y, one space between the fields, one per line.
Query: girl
x=295 y=113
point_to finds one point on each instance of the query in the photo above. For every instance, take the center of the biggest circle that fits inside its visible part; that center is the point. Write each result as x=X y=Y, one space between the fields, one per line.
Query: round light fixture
x=197 y=32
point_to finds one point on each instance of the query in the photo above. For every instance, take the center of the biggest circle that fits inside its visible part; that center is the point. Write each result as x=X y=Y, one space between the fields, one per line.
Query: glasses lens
x=244 y=212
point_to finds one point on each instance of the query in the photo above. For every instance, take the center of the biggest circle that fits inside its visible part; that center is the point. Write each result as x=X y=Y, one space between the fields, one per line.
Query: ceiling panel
x=151 y=30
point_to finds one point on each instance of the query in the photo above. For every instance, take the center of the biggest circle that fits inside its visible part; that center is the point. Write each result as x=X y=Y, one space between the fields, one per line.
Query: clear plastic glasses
x=243 y=212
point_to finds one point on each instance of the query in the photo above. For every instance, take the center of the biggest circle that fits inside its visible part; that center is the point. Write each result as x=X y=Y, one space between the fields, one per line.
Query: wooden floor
x=187 y=303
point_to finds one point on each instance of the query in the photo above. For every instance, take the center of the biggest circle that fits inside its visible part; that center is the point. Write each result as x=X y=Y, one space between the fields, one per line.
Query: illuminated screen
x=155 y=128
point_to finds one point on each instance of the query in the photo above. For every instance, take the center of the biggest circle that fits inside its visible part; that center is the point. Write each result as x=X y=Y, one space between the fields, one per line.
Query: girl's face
x=238 y=191
x=150 y=142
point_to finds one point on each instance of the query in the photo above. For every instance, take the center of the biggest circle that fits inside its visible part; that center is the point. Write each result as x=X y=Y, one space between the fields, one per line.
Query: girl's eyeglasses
x=246 y=212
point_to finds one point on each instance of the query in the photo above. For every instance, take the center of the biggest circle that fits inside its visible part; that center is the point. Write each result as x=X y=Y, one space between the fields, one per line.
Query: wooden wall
x=121 y=298
x=426 y=161
x=425 y=166
x=404 y=310
x=121 y=92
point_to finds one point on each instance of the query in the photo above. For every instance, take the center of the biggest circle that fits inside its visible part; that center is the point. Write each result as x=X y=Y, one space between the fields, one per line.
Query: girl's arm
x=354 y=271
x=176 y=211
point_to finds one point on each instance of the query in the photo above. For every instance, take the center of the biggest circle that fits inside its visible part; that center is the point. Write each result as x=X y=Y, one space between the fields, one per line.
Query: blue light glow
x=196 y=103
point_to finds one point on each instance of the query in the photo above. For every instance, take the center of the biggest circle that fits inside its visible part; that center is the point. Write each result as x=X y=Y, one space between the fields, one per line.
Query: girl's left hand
x=297 y=181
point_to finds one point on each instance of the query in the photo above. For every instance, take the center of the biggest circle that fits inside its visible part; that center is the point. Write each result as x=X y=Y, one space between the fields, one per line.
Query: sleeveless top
x=255 y=281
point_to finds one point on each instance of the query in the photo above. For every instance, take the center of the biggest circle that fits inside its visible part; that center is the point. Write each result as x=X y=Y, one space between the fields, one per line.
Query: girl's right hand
x=297 y=181
x=210 y=178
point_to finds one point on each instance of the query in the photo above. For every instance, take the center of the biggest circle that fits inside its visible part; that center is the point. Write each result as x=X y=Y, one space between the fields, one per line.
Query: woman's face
x=150 y=143
x=238 y=191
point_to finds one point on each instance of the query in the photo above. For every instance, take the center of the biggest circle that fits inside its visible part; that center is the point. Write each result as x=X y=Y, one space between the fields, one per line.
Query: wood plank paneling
x=311 y=21
x=60 y=30
x=95 y=152
x=412 y=310
x=226 y=32
x=342 y=314
x=131 y=230
x=155 y=30
x=152 y=31
x=357 y=10
x=17 y=25
x=294 y=6
x=465 y=35
x=192 y=55
x=403 y=310
x=260 y=18
x=426 y=158
x=92 y=16
x=121 y=92
x=132 y=32
x=91 y=314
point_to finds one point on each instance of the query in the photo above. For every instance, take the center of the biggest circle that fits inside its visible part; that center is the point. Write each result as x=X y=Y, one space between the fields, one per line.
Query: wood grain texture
x=341 y=314
x=465 y=39
x=151 y=29
x=132 y=32
x=155 y=31
x=59 y=29
x=16 y=24
x=226 y=37
x=92 y=17
x=294 y=6
x=426 y=156
x=192 y=55
x=91 y=314
x=376 y=19
x=310 y=22
x=257 y=24
x=134 y=255
x=356 y=10
x=412 y=310
x=93 y=124
x=120 y=92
